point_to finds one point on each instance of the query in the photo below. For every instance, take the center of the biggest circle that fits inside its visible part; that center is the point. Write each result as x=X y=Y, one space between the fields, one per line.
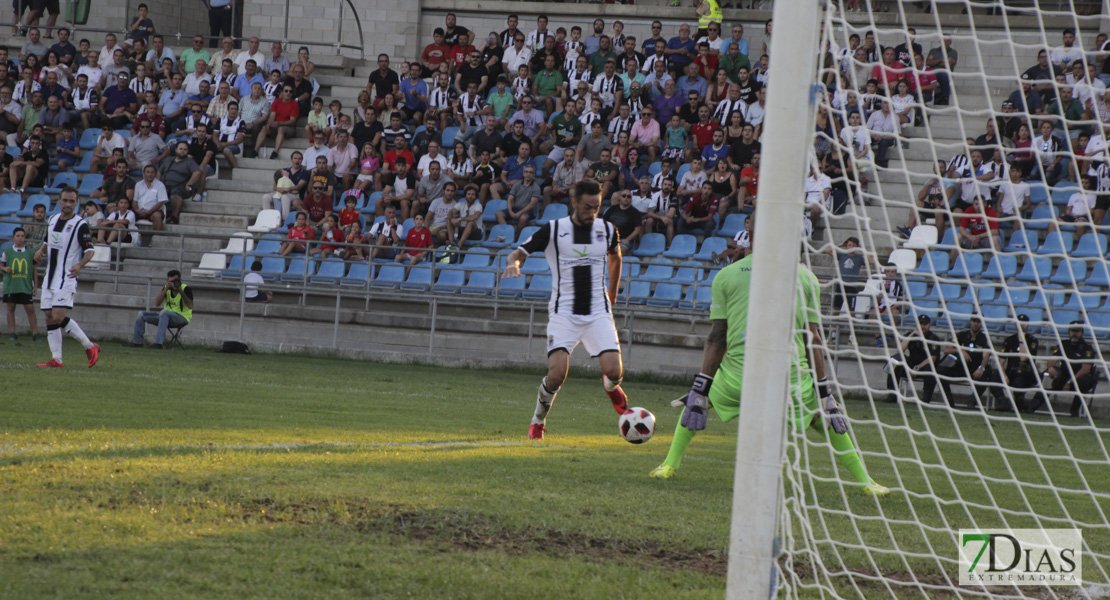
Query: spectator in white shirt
x=884 y=128
x=516 y=55
x=251 y=53
x=1064 y=56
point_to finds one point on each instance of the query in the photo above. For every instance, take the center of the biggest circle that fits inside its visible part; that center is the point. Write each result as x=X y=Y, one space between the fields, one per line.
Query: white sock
x=543 y=403
x=54 y=338
x=74 y=330
x=609 y=384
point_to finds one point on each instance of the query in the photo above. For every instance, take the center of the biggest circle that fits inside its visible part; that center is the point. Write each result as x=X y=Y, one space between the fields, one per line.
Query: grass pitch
x=191 y=474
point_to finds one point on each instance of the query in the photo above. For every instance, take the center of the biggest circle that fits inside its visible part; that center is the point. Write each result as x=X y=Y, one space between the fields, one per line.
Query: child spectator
x=120 y=224
x=369 y=162
x=418 y=238
x=677 y=138
x=298 y=234
x=141 y=27
x=317 y=119
x=349 y=215
x=332 y=120
x=329 y=233
x=92 y=215
x=20 y=284
x=979 y=228
x=1080 y=205
x=283 y=188
x=354 y=236
x=251 y=281
x=697 y=214
x=68 y=152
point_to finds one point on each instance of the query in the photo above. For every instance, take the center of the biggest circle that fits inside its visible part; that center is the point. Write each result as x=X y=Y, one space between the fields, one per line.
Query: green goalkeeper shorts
x=725 y=397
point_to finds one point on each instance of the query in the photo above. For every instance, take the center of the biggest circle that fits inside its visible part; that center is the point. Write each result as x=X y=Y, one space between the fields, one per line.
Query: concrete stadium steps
x=244 y=209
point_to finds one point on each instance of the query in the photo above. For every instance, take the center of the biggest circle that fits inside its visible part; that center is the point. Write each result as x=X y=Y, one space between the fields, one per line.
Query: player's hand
x=697 y=403
x=833 y=415
x=74 y=271
x=512 y=270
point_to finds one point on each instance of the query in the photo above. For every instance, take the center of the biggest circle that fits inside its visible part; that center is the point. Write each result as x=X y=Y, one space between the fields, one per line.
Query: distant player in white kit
x=578 y=249
x=65 y=252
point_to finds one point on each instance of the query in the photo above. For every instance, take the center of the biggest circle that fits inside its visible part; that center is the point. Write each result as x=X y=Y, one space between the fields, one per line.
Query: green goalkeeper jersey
x=730 y=302
x=19 y=281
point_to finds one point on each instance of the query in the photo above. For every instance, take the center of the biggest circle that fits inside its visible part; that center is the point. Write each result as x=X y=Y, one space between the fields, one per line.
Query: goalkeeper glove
x=833 y=414
x=697 y=403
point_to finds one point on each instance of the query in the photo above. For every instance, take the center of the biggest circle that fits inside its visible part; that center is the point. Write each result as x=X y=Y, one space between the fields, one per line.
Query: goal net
x=957 y=187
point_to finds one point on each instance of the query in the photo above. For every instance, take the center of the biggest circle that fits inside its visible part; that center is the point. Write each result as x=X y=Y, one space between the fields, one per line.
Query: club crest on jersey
x=599 y=236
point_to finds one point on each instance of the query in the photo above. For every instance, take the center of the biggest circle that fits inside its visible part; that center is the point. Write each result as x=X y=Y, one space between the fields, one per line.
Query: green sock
x=682 y=437
x=846 y=454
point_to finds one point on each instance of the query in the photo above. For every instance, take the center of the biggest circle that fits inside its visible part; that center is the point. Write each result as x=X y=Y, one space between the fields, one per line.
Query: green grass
x=200 y=475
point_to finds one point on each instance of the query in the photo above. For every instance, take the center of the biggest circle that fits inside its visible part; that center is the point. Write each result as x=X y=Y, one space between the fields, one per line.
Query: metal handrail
x=285 y=41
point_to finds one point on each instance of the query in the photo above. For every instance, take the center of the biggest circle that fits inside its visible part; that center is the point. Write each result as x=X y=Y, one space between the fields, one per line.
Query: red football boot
x=535 y=432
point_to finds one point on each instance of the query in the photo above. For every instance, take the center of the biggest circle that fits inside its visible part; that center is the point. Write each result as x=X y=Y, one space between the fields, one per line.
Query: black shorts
x=1102 y=202
x=924 y=214
x=259 y=298
x=1073 y=219
x=17 y=299
x=960 y=205
x=50 y=6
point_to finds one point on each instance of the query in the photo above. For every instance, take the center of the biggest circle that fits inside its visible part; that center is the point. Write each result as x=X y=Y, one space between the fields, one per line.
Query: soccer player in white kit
x=65 y=252
x=579 y=249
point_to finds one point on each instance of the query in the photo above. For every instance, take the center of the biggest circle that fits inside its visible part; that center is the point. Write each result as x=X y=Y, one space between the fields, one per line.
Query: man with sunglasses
x=284 y=113
x=146 y=148
x=474 y=71
x=193 y=118
x=119 y=104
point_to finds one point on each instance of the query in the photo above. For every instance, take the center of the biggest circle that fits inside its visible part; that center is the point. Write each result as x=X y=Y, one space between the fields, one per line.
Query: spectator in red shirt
x=703 y=131
x=298 y=233
x=329 y=233
x=434 y=54
x=979 y=228
x=749 y=184
x=697 y=215
x=400 y=150
x=889 y=72
x=317 y=203
x=707 y=63
x=418 y=237
x=460 y=54
x=923 y=81
x=284 y=113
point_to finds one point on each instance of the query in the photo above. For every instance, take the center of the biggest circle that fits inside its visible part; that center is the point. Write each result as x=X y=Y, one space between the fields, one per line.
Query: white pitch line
x=11 y=449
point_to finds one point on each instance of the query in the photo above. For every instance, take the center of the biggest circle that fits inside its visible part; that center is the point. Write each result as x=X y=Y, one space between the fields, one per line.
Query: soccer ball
x=637 y=425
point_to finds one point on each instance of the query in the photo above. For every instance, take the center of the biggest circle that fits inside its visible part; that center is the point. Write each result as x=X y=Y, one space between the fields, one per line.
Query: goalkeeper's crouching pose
x=723 y=357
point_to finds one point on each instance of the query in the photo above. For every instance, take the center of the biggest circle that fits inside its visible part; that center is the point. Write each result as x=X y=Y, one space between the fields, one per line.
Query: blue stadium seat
x=711 y=246
x=272 y=267
x=1001 y=267
x=1070 y=272
x=60 y=181
x=85 y=164
x=683 y=246
x=688 y=273
x=504 y=231
x=489 y=211
x=512 y=287
x=450 y=280
x=1052 y=296
x=1022 y=241
x=639 y=292
x=480 y=283
x=1056 y=242
x=1038 y=194
x=539 y=288
x=948 y=240
x=89 y=138
x=124 y=133
x=1061 y=319
x=1042 y=215
x=630 y=267
x=1091 y=245
x=298 y=267
x=1100 y=323
x=1061 y=194
x=419 y=279
x=10 y=204
x=418 y=130
x=931 y=308
x=650 y=245
x=959 y=313
x=448 y=136
x=916 y=289
x=90 y=183
x=996 y=317
x=658 y=272
x=36 y=200
x=357 y=276
x=552 y=212
x=475 y=258
x=666 y=295
x=1084 y=300
x=330 y=271
x=538 y=162
x=681 y=171
x=733 y=225
x=389 y=276
x=934 y=262
x=409 y=225
x=553 y=115
x=1036 y=269
x=526 y=233
x=1099 y=275
x=234 y=268
x=655 y=168
x=946 y=291
x=967 y=265
x=1036 y=316
x=698 y=297
x=535 y=265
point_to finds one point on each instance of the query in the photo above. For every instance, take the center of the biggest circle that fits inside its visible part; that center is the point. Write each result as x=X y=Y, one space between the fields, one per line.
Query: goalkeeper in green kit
x=721 y=377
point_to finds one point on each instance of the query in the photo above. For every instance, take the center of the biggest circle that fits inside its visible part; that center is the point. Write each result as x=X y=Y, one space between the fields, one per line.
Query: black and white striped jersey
x=66 y=244
x=578 y=259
